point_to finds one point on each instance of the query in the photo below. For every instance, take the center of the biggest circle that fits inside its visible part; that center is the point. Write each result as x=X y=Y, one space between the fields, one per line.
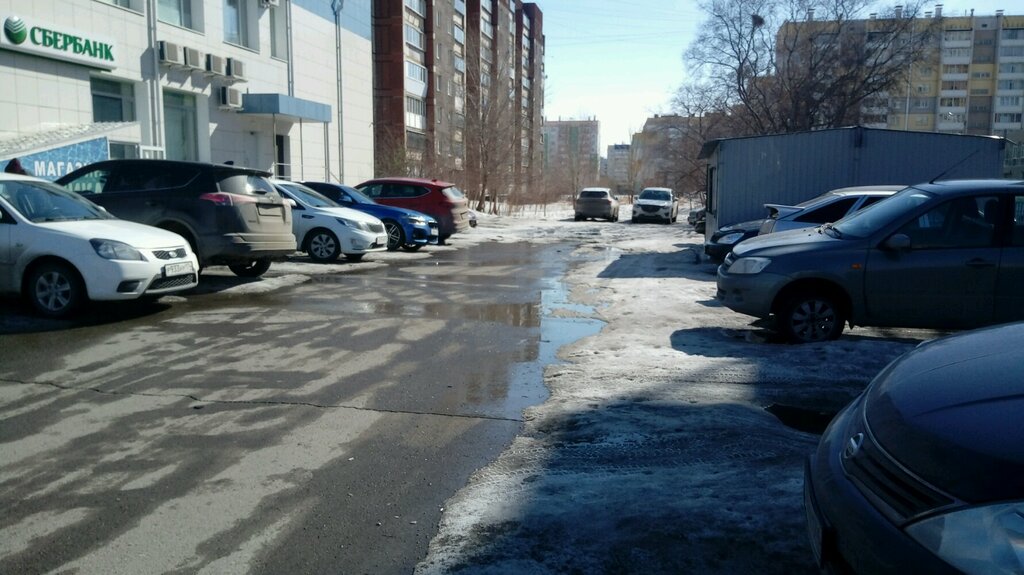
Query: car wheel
x=323 y=246
x=442 y=239
x=396 y=235
x=251 y=269
x=55 y=290
x=811 y=317
x=579 y=217
x=412 y=247
x=633 y=219
x=354 y=257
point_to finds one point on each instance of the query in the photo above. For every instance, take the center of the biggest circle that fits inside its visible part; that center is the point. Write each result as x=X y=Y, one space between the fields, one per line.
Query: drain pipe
x=337 y=6
x=155 y=99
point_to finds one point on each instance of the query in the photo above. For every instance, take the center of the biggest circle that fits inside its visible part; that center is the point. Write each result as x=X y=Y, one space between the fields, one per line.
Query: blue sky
x=621 y=61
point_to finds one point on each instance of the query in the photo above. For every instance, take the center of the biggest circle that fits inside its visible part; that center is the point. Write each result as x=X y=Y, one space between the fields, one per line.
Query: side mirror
x=897 y=242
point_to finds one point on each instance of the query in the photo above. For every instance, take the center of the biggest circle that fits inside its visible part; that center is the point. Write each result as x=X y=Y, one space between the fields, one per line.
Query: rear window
x=131 y=177
x=593 y=194
x=244 y=184
x=453 y=193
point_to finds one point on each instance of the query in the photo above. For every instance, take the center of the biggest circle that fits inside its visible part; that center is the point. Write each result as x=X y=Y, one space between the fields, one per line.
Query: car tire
x=809 y=317
x=442 y=239
x=251 y=269
x=632 y=219
x=579 y=217
x=354 y=257
x=55 y=290
x=412 y=247
x=322 y=246
x=396 y=235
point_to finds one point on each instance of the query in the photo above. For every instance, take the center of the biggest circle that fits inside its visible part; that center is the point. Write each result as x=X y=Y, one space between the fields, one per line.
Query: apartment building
x=619 y=168
x=571 y=153
x=458 y=91
x=281 y=85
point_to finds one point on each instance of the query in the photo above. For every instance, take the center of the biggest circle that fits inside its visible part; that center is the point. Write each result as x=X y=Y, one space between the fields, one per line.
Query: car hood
x=950 y=411
x=781 y=243
x=659 y=203
x=347 y=213
x=381 y=211
x=132 y=233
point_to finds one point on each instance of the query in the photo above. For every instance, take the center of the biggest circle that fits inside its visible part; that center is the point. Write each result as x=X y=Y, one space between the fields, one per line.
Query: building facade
x=971 y=82
x=459 y=91
x=619 y=169
x=280 y=85
x=572 y=154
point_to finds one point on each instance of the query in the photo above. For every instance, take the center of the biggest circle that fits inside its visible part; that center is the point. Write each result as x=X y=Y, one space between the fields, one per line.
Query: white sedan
x=325 y=229
x=58 y=250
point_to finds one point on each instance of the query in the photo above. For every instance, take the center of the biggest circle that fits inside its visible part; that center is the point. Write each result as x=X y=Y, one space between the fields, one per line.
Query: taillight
x=223 y=199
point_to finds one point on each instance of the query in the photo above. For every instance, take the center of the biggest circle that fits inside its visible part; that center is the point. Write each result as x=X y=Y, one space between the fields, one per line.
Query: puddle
x=801 y=418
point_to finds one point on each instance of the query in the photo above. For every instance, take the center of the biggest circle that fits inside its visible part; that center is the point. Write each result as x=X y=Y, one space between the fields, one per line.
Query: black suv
x=231 y=215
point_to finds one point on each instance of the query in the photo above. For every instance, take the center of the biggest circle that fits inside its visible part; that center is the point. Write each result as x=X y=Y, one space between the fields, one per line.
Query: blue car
x=407 y=229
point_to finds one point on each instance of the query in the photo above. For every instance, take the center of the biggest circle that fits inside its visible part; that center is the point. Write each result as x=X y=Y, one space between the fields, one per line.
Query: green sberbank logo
x=15 y=30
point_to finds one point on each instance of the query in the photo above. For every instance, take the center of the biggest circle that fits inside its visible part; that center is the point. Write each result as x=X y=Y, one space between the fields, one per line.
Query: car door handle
x=307 y=217
x=980 y=263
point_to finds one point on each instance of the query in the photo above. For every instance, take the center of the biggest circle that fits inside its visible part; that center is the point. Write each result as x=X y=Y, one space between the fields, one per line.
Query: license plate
x=813 y=523
x=178 y=269
x=433 y=231
x=382 y=240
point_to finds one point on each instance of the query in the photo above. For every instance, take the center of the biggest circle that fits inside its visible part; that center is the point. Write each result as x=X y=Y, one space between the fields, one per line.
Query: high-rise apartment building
x=572 y=153
x=620 y=169
x=458 y=91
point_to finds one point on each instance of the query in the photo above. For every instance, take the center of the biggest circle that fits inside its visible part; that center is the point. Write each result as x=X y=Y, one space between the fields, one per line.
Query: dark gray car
x=230 y=215
x=597 y=203
x=937 y=255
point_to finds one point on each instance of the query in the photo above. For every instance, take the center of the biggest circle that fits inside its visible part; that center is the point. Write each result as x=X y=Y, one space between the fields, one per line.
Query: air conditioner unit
x=171 y=54
x=236 y=70
x=194 y=59
x=216 y=65
x=230 y=98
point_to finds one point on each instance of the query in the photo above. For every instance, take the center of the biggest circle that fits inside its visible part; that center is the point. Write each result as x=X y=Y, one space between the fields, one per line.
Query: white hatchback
x=325 y=229
x=58 y=250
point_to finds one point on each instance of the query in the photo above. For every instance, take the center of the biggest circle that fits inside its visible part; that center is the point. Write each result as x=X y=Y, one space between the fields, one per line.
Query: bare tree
x=794 y=65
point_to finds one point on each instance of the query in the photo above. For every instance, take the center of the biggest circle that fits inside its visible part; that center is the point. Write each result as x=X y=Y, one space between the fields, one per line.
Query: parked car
x=936 y=255
x=441 y=200
x=659 y=204
x=597 y=203
x=58 y=250
x=325 y=229
x=406 y=229
x=922 y=472
x=831 y=206
x=695 y=215
x=229 y=215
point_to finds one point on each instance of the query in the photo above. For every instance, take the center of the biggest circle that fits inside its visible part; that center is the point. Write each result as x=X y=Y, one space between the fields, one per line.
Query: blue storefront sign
x=54 y=163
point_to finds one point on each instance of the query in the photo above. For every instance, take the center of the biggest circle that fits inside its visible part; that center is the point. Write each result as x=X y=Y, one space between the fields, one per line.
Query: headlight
x=986 y=539
x=417 y=219
x=351 y=223
x=729 y=239
x=749 y=265
x=112 y=250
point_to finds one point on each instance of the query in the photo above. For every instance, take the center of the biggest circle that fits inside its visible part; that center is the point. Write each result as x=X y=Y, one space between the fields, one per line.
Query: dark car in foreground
x=230 y=215
x=935 y=255
x=406 y=229
x=831 y=206
x=443 y=201
x=924 y=472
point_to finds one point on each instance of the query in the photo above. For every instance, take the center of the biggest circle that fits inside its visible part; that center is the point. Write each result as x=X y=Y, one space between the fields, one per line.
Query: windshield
x=45 y=202
x=661 y=195
x=866 y=222
x=307 y=196
x=357 y=196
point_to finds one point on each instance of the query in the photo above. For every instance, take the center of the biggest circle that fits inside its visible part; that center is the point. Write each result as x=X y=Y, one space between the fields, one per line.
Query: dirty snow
x=654 y=452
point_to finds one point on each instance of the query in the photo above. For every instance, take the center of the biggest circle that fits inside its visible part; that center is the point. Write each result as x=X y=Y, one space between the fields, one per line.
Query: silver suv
x=936 y=255
x=597 y=203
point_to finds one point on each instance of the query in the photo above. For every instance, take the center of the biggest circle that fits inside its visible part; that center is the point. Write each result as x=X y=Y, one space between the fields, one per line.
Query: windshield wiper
x=828 y=227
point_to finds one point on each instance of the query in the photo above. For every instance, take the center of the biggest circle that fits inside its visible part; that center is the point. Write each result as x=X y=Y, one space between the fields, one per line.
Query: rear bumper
x=230 y=248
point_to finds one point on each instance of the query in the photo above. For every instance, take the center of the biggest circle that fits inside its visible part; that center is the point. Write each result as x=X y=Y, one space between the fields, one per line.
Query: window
x=1008 y=118
x=1018 y=221
x=417 y=6
x=1009 y=101
x=112 y=101
x=1011 y=51
x=958 y=223
x=278 y=33
x=236 y=22
x=415 y=72
x=952 y=102
x=177 y=12
x=956 y=52
x=1012 y=68
x=415 y=113
x=955 y=68
x=1010 y=85
x=123 y=151
x=180 y=132
x=831 y=213
x=956 y=36
x=954 y=85
x=414 y=37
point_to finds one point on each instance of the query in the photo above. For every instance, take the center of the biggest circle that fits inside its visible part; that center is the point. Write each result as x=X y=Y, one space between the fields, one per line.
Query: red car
x=442 y=200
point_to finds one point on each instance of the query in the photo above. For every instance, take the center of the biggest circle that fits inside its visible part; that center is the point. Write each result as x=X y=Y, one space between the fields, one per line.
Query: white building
x=281 y=85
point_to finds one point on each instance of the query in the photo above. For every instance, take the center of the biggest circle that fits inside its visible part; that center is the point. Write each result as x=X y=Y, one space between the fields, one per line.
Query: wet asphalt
x=319 y=428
